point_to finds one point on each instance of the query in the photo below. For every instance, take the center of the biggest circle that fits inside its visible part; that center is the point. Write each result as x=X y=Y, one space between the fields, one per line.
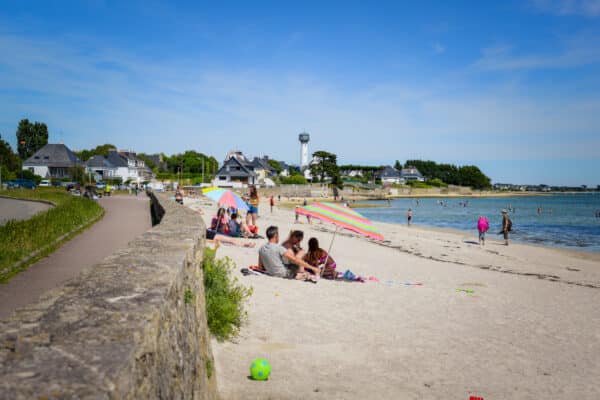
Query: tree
x=398 y=165
x=8 y=159
x=325 y=167
x=472 y=176
x=101 y=150
x=275 y=165
x=30 y=138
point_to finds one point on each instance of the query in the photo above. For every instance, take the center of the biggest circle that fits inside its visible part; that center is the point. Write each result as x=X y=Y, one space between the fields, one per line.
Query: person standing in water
x=506 y=226
x=409 y=216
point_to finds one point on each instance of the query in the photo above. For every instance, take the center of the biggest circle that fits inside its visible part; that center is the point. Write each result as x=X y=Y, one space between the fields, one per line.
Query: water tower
x=304 y=139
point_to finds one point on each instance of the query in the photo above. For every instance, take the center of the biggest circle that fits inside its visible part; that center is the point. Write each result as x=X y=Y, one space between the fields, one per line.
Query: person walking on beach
x=506 y=226
x=409 y=216
x=271 y=203
x=482 y=226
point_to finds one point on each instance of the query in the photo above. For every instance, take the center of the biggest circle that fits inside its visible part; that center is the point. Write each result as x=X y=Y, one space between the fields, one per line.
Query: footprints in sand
x=573 y=269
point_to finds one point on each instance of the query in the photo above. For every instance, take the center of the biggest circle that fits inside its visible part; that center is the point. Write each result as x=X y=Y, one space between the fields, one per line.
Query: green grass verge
x=224 y=297
x=44 y=232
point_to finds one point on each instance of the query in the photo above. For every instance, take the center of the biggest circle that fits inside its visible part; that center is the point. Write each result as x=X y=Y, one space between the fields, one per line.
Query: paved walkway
x=126 y=217
x=19 y=209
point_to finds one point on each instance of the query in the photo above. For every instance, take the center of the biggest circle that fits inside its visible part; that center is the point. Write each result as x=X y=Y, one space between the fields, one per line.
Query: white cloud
x=438 y=48
x=587 y=8
x=574 y=52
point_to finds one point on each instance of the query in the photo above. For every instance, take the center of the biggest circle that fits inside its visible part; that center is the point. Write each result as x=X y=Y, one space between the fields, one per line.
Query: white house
x=52 y=161
x=390 y=175
x=411 y=173
x=128 y=167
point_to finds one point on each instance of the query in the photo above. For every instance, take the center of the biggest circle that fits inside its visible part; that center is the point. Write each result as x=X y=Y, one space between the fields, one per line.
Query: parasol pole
x=329 y=251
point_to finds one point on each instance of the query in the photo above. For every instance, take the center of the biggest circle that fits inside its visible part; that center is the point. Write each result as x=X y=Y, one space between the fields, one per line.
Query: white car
x=45 y=183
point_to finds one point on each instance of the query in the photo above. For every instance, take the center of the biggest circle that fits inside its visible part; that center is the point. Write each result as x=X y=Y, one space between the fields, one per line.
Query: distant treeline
x=466 y=175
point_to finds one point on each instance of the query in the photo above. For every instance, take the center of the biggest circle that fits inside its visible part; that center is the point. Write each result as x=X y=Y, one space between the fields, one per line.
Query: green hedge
x=19 y=239
x=224 y=297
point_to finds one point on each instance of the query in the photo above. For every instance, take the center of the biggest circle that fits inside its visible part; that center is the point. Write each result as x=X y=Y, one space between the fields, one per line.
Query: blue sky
x=513 y=87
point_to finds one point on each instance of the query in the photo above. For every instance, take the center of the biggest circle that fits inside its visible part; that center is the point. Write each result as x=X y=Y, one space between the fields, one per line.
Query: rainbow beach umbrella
x=341 y=217
x=225 y=197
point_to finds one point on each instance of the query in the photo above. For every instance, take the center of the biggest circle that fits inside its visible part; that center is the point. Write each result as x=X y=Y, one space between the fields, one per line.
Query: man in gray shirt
x=282 y=262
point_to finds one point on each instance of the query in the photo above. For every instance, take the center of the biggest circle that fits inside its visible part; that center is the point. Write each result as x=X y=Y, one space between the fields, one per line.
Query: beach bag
x=210 y=234
x=509 y=225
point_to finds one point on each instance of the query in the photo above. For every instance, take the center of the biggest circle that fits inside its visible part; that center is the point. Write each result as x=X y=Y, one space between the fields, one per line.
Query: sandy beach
x=529 y=330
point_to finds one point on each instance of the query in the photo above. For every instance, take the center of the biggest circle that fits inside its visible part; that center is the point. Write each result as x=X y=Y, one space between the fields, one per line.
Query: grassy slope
x=19 y=239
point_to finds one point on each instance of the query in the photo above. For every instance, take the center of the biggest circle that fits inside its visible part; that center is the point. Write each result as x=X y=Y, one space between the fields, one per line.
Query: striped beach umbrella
x=225 y=197
x=341 y=217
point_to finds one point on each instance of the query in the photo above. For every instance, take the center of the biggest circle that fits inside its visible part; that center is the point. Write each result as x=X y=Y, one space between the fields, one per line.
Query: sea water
x=563 y=220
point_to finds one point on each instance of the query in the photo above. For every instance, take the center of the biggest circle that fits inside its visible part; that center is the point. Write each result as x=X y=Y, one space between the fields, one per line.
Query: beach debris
x=277 y=295
x=260 y=369
x=475 y=398
x=413 y=283
x=470 y=291
x=373 y=279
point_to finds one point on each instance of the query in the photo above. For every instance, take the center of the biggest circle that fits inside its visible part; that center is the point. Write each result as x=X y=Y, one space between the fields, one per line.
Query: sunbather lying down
x=229 y=240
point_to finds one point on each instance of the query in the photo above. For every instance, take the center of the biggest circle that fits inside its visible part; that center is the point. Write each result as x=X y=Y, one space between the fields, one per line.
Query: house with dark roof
x=52 y=161
x=129 y=167
x=101 y=168
x=411 y=173
x=234 y=173
x=390 y=175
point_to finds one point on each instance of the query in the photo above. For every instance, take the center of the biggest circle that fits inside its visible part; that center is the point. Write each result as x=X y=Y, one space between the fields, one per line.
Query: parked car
x=45 y=183
x=100 y=185
x=57 y=183
x=21 y=183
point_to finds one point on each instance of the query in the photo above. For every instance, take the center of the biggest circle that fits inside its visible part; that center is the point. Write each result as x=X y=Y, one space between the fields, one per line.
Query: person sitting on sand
x=219 y=222
x=318 y=257
x=293 y=243
x=239 y=229
x=281 y=262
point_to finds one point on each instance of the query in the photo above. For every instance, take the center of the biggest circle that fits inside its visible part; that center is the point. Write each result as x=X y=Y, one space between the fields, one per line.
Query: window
x=37 y=157
x=46 y=157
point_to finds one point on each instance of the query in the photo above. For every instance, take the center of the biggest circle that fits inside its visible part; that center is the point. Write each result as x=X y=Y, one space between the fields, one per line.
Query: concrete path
x=126 y=217
x=19 y=209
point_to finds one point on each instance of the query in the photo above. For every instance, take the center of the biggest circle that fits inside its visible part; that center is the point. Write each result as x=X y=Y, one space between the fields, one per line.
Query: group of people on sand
x=289 y=260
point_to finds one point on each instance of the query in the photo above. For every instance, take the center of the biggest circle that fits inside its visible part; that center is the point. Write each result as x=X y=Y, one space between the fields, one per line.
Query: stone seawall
x=132 y=327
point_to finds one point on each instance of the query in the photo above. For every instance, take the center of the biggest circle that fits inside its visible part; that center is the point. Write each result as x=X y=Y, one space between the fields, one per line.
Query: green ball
x=260 y=369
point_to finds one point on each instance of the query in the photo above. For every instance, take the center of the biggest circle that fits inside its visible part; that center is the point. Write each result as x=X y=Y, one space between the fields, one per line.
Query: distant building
x=234 y=173
x=101 y=168
x=411 y=173
x=238 y=171
x=390 y=175
x=129 y=167
x=52 y=161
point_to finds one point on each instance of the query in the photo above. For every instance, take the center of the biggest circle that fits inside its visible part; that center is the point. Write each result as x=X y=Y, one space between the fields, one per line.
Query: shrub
x=293 y=180
x=437 y=183
x=224 y=297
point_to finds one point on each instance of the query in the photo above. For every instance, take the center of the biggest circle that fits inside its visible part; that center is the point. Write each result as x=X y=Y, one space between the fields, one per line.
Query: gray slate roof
x=116 y=159
x=53 y=155
x=389 y=172
x=99 y=162
x=236 y=169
